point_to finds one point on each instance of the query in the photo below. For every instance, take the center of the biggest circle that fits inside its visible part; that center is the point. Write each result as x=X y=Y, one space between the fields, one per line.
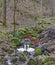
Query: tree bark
x=14 y=16
x=41 y=9
x=4 y=12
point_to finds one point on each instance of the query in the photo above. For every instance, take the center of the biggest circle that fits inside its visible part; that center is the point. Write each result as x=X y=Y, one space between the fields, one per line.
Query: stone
x=2 y=52
x=46 y=53
x=48 y=34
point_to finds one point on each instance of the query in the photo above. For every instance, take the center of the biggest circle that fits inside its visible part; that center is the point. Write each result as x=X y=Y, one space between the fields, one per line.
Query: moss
x=22 y=58
x=33 y=38
x=0 y=3
x=5 y=49
x=1 y=22
x=16 y=42
x=1 y=57
x=2 y=63
x=25 y=52
x=31 y=62
x=14 y=58
x=38 y=51
x=40 y=30
x=10 y=50
x=49 y=63
x=1 y=40
x=47 y=59
x=42 y=22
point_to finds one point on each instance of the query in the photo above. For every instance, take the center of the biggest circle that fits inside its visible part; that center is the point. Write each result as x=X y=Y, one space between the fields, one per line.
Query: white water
x=9 y=62
x=21 y=49
x=26 y=48
x=30 y=50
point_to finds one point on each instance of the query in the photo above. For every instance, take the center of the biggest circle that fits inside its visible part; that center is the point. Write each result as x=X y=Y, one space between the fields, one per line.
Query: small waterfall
x=25 y=47
x=9 y=62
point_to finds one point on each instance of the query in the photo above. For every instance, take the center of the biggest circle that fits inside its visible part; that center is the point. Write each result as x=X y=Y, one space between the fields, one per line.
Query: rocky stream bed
x=46 y=49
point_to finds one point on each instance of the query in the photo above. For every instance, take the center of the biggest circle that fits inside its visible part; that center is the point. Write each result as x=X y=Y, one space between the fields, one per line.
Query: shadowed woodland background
x=27 y=12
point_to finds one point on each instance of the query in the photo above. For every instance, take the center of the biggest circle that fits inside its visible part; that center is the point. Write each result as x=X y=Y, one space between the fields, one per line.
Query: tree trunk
x=14 y=16
x=52 y=7
x=4 y=12
x=41 y=9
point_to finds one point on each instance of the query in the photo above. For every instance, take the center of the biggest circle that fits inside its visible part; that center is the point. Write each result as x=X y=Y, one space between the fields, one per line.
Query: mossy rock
x=31 y=45
x=25 y=52
x=3 y=48
x=40 y=30
x=11 y=50
x=14 y=58
x=2 y=63
x=38 y=51
x=1 y=57
x=50 y=49
x=33 y=38
x=22 y=58
x=31 y=62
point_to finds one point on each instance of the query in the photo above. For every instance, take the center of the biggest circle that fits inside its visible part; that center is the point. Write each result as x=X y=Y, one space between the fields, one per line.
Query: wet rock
x=8 y=59
x=51 y=48
x=44 y=47
x=47 y=35
x=46 y=53
x=41 y=57
x=51 y=33
x=15 y=52
x=6 y=47
x=2 y=53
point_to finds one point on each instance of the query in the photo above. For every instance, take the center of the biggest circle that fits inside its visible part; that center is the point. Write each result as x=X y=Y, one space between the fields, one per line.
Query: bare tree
x=52 y=7
x=14 y=16
x=47 y=4
x=41 y=8
x=4 y=12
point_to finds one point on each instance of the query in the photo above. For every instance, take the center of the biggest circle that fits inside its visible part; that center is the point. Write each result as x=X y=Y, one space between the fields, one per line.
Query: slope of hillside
x=28 y=12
